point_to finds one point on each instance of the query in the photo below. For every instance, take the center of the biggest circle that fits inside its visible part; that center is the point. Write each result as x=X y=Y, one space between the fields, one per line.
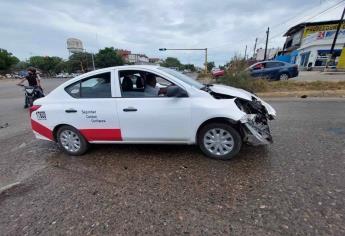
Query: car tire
x=224 y=145
x=71 y=141
x=284 y=76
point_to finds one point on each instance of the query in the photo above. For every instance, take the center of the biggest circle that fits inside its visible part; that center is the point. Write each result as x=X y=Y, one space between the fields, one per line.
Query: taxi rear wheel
x=71 y=141
x=219 y=141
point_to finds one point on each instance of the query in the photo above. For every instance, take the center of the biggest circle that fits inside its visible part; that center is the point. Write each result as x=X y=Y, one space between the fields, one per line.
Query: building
x=138 y=59
x=155 y=60
x=270 y=54
x=308 y=44
x=124 y=54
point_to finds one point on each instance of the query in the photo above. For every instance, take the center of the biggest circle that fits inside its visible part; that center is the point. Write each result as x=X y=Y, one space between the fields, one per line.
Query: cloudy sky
x=225 y=27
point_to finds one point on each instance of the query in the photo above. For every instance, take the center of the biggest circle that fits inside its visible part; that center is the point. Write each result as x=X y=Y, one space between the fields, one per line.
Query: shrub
x=237 y=76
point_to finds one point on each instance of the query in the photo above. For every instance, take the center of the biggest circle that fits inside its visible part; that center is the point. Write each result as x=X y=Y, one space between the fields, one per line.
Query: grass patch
x=262 y=85
x=243 y=80
x=237 y=76
x=277 y=86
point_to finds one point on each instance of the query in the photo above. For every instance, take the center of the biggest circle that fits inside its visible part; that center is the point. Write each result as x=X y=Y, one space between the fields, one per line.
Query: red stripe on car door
x=102 y=134
x=42 y=130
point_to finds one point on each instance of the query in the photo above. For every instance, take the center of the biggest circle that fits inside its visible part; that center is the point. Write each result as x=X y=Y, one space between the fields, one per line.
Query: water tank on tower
x=74 y=45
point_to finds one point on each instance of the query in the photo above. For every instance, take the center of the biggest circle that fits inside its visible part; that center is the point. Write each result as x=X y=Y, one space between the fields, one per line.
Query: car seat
x=139 y=83
x=127 y=84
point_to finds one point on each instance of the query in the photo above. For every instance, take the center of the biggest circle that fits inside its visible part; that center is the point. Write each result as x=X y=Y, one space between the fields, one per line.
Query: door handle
x=70 y=111
x=129 y=109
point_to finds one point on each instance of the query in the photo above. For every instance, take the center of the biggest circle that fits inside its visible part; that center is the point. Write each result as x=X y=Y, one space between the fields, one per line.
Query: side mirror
x=176 y=91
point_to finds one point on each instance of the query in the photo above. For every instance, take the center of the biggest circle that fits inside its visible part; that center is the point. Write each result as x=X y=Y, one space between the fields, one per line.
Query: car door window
x=258 y=66
x=96 y=86
x=273 y=64
x=74 y=90
x=135 y=83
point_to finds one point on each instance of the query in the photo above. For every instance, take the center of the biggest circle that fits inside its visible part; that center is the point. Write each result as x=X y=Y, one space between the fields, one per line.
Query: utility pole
x=206 y=61
x=267 y=34
x=93 y=62
x=332 y=57
x=245 y=53
x=256 y=41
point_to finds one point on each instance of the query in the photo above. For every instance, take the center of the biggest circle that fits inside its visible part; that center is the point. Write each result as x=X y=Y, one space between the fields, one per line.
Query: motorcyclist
x=33 y=80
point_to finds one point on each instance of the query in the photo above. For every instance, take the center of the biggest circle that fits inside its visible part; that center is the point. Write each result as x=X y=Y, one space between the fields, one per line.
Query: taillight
x=34 y=108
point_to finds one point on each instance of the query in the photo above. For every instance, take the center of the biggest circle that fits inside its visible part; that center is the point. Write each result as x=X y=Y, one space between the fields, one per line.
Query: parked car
x=216 y=72
x=116 y=105
x=274 y=70
x=64 y=75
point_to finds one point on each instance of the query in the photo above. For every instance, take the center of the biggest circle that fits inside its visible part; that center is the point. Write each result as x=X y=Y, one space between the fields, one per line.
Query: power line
x=312 y=17
x=294 y=17
x=261 y=39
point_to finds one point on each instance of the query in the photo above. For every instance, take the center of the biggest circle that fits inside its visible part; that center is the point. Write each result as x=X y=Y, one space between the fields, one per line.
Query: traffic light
x=162 y=49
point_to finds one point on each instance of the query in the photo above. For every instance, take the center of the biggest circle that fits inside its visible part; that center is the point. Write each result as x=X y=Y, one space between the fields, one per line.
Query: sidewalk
x=321 y=76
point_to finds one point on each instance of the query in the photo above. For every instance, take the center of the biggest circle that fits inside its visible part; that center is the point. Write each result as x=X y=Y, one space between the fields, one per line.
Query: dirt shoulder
x=297 y=89
x=308 y=93
x=290 y=88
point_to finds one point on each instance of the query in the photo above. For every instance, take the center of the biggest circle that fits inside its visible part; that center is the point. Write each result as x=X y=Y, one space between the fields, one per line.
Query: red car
x=217 y=73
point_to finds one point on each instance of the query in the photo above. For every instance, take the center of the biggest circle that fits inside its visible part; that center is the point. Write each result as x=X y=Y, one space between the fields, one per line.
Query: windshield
x=184 y=78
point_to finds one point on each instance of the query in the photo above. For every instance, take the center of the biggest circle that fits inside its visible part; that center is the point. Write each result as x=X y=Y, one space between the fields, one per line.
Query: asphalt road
x=294 y=186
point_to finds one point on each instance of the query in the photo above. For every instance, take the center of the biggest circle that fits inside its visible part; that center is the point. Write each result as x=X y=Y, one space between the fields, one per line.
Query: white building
x=138 y=59
x=313 y=41
x=260 y=53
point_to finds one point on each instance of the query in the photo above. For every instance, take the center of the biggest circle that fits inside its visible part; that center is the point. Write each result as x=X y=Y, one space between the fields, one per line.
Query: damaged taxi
x=142 y=104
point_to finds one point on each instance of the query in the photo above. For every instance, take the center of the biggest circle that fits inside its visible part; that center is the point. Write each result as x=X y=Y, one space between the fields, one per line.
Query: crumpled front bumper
x=255 y=133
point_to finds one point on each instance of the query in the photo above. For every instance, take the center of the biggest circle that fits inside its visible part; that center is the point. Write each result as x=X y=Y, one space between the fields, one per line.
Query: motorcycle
x=31 y=94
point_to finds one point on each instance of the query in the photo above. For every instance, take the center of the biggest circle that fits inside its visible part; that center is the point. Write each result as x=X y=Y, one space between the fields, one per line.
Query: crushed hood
x=240 y=93
x=231 y=91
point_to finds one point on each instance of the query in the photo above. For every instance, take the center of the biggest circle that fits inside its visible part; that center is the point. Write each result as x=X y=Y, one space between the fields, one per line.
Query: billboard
x=74 y=45
x=318 y=28
x=323 y=35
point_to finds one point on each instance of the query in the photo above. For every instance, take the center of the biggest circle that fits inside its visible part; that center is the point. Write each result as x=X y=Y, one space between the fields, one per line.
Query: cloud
x=38 y=27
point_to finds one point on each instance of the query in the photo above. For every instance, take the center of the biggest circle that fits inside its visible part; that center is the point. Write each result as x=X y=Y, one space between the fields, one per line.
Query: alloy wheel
x=283 y=77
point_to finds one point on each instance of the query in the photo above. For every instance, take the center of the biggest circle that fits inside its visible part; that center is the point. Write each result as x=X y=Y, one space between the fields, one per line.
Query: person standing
x=33 y=80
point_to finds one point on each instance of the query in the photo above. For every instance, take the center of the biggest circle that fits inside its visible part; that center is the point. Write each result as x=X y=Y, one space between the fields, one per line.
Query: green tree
x=190 y=67
x=7 y=60
x=221 y=67
x=172 y=62
x=22 y=65
x=108 y=57
x=63 y=66
x=81 y=61
x=45 y=63
x=210 y=65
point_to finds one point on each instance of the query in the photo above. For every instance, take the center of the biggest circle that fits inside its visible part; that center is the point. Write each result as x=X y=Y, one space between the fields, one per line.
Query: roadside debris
x=4 y=126
x=8 y=187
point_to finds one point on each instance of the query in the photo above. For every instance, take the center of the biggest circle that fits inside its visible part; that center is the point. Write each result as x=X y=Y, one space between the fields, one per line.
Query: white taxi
x=150 y=104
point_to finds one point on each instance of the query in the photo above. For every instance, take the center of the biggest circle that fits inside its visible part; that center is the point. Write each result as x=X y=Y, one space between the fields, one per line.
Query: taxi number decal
x=41 y=115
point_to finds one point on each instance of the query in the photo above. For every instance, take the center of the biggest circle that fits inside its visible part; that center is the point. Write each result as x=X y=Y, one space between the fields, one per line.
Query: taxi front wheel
x=71 y=141
x=219 y=141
